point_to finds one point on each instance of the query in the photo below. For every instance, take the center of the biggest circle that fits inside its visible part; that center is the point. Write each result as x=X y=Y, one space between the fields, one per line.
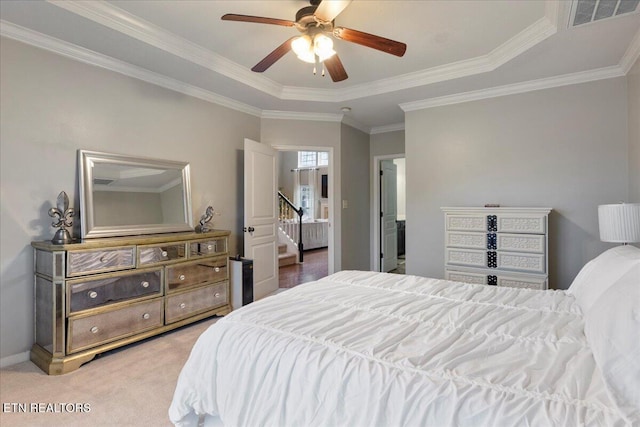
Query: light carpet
x=130 y=386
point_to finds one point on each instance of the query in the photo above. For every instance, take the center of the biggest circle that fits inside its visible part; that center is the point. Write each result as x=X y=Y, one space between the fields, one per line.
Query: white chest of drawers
x=100 y=294
x=497 y=246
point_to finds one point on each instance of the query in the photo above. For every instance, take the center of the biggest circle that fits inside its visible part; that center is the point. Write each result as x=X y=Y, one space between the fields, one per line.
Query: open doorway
x=303 y=184
x=389 y=214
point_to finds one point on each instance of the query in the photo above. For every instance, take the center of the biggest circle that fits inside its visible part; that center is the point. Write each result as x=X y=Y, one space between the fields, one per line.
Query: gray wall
x=382 y=144
x=633 y=86
x=564 y=148
x=287 y=160
x=50 y=107
x=355 y=192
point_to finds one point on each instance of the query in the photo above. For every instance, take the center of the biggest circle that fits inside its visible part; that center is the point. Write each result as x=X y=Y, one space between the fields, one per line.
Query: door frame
x=332 y=229
x=375 y=207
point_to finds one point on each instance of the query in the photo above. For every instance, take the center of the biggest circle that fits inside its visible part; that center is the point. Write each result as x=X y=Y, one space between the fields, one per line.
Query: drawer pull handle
x=217 y=295
x=181 y=277
x=94 y=330
x=145 y=284
x=182 y=305
x=93 y=294
x=146 y=316
x=216 y=269
x=164 y=254
x=209 y=247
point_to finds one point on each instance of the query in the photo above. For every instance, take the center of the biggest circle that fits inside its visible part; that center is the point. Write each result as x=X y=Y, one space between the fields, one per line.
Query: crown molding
x=122 y=21
x=631 y=55
x=77 y=53
x=350 y=121
x=516 y=88
x=298 y=115
x=387 y=128
x=119 y=20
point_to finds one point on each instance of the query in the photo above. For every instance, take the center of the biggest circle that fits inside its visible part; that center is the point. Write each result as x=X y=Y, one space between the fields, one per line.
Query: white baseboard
x=14 y=359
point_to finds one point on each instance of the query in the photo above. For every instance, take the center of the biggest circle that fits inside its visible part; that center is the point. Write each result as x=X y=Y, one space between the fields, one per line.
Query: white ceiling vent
x=585 y=11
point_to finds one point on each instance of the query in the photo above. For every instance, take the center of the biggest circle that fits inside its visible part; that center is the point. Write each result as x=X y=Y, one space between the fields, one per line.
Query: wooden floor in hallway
x=314 y=267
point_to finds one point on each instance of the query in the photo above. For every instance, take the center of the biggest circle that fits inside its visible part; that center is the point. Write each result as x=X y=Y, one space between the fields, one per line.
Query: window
x=306 y=201
x=310 y=159
x=323 y=158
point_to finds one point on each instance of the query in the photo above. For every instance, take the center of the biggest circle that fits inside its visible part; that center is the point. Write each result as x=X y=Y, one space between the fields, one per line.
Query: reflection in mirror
x=122 y=195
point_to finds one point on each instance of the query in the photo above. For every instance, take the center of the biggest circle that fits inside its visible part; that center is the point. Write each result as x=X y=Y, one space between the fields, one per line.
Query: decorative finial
x=203 y=226
x=64 y=219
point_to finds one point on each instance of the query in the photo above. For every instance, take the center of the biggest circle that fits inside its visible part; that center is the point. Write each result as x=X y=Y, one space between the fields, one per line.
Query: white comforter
x=375 y=349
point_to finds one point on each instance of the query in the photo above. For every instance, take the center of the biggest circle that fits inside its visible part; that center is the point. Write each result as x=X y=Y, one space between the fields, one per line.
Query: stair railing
x=285 y=205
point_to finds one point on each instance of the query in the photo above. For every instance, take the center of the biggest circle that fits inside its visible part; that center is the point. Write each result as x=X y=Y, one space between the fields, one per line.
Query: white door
x=388 y=215
x=260 y=215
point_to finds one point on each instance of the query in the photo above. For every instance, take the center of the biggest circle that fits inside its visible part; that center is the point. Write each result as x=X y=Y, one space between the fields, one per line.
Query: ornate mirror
x=122 y=195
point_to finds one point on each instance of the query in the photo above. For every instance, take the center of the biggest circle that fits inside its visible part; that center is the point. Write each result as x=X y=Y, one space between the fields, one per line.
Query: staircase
x=285 y=258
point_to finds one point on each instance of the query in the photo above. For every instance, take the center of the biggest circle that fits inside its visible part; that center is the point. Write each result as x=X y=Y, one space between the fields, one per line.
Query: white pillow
x=602 y=272
x=612 y=327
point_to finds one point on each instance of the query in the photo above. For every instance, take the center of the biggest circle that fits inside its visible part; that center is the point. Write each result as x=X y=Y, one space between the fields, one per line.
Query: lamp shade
x=619 y=223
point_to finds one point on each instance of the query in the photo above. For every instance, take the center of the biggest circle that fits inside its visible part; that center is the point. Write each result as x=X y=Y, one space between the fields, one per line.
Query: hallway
x=315 y=266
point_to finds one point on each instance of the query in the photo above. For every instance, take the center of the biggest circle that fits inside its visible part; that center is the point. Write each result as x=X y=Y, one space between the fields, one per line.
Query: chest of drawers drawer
x=100 y=260
x=96 y=329
x=498 y=222
x=149 y=255
x=106 y=289
x=499 y=279
x=496 y=241
x=207 y=248
x=515 y=261
x=196 y=273
x=189 y=303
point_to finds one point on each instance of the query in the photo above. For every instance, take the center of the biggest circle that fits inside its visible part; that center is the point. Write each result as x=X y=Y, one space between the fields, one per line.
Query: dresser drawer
x=497 y=278
x=100 y=260
x=466 y=222
x=521 y=282
x=208 y=247
x=466 y=239
x=514 y=261
x=161 y=254
x=107 y=289
x=535 y=243
x=465 y=277
x=186 y=304
x=468 y=257
x=195 y=273
x=522 y=223
x=92 y=330
x=531 y=263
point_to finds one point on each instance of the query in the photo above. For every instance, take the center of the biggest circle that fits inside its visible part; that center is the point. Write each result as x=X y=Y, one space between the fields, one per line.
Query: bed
x=377 y=349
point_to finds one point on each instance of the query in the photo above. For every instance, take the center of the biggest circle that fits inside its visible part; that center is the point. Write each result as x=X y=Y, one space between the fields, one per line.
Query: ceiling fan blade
x=257 y=19
x=335 y=68
x=329 y=9
x=270 y=59
x=369 y=40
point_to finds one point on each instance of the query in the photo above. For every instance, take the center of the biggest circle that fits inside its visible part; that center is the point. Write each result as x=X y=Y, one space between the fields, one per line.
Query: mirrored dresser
x=94 y=296
x=499 y=246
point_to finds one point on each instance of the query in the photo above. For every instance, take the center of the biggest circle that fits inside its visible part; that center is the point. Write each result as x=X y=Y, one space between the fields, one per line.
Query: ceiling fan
x=316 y=23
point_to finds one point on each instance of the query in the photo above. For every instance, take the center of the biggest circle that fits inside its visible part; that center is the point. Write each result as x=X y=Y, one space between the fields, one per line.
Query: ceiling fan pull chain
x=323 y=69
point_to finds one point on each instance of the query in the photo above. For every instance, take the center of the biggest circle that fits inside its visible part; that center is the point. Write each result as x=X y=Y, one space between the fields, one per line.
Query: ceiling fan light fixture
x=323 y=47
x=307 y=48
x=301 y=46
